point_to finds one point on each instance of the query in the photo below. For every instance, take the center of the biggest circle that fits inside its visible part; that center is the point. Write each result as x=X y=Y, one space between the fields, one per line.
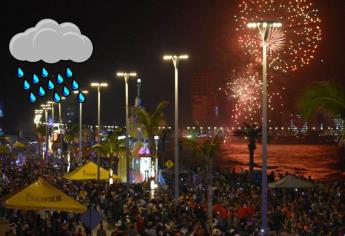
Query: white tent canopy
x=291 y=181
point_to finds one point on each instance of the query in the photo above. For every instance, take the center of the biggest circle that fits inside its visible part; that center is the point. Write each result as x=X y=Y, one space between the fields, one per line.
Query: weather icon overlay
x=50 y=42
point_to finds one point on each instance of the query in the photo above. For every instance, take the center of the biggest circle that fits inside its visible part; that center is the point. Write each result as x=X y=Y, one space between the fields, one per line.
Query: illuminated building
x=204 y=107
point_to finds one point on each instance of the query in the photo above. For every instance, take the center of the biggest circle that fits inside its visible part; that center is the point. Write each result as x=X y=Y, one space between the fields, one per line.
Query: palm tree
x=71 y=135
x=165 y=135
x=150 y=123
x=207 y=150
x=112 y=147
x=40 y=132
x=251 y=132
x=323 y=97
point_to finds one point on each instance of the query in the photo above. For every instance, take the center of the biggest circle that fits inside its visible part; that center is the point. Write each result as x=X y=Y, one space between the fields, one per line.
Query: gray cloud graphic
x=51 y=42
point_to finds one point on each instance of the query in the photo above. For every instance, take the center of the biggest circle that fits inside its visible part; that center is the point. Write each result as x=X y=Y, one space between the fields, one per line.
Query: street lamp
x=60 y=124
x=60 y=110
x=137 y=99
x=46 y=107
x=264 y=27
x=99 y=86
x=80 y=120
x=175 y=60
x=126 y=76
x=52 y=105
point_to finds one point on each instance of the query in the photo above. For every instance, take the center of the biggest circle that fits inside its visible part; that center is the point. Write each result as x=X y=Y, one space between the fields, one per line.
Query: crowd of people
x=140 y=211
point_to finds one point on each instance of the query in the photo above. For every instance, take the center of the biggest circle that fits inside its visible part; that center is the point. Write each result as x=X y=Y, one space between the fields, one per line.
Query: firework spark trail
x=291 y=47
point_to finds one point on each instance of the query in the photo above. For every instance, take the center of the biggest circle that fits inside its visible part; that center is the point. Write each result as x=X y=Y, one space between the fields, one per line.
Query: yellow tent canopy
x=41 y=195
x=88 y=172
x=18 y=145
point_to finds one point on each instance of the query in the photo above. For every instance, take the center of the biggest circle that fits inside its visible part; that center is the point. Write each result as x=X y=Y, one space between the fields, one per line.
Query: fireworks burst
x=289 y=48
x=276 y=40
x=245 y=89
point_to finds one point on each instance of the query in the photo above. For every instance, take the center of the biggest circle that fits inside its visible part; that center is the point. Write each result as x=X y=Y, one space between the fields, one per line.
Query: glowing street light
x=175 y=60
x=99 y=86
x=126 y=76
x=175 y=57
x=52 y=105
x=264 y=27
x=80 y=120
x=46 y=107
x=60 y=123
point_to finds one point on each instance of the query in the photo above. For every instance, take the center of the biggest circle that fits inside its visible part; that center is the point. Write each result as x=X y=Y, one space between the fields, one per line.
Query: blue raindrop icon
x=75 y=85
x=69 y=72
x=41 y=91
x=20 y=73
x=59 y=79
x=50 y=85
x=57 y=97
x=26 y=85
x=44 y=72
x=35 y=79
x=65 y=91
x=81 y=97
x=32 y=98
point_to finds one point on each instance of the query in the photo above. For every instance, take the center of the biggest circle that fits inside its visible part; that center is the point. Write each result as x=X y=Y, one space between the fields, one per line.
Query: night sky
x=133 y=35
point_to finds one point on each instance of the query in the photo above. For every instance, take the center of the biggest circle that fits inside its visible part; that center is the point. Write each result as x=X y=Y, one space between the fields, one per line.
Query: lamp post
x=46 y=107
x=60 y=124
x=264 y=28
x=60 y=110
x=126 y=76
x=52 y=103
x=137 y=99
x=52 y=106
x=99 y=86
x=37 y=122
x=175 y=60
x=80 y=121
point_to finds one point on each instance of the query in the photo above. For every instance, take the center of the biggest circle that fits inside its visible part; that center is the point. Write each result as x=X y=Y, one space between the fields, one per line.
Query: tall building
x=205 y=110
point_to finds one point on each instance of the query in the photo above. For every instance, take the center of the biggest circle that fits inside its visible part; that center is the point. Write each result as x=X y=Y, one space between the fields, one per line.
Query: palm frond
x=322 y=97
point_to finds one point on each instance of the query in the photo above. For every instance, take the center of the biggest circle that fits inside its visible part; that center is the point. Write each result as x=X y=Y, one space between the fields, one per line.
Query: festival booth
x=41 y=195
x=89 y=172
x=143 y=165
x=290 y=182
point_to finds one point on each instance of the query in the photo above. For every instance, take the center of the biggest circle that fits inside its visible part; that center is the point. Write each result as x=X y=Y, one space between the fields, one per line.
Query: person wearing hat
x=216 y=231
